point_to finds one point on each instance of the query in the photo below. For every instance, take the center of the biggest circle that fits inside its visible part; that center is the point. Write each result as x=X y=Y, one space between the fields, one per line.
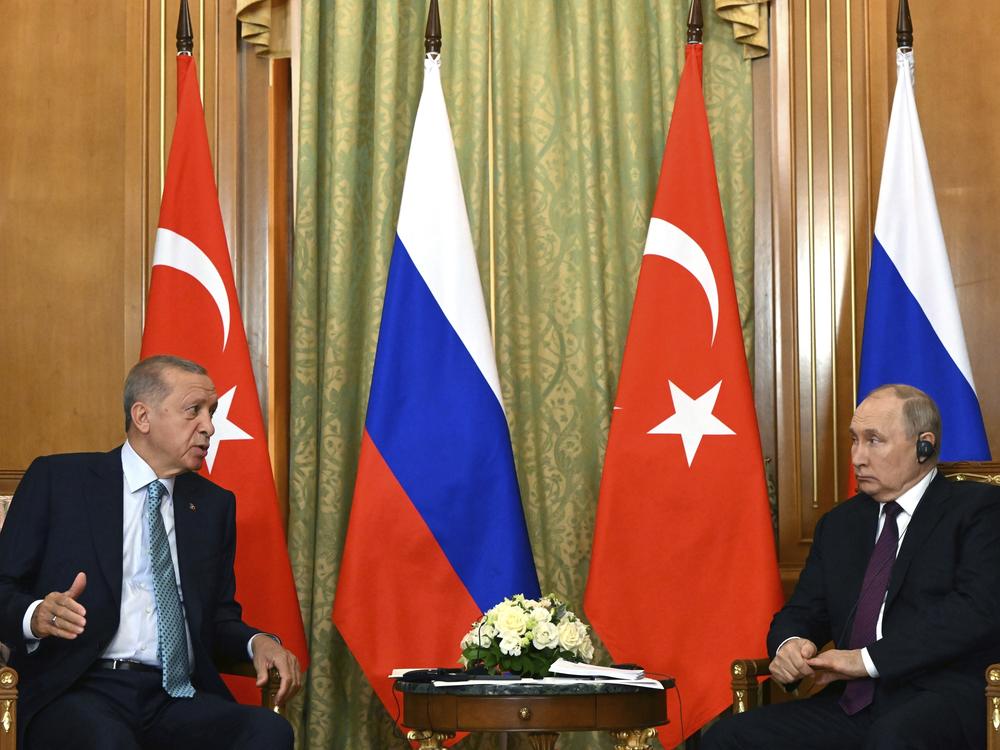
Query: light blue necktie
x=170 y=631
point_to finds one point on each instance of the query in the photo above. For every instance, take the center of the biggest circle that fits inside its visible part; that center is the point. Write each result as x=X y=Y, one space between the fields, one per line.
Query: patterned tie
x=171 y=635
x=859 y=693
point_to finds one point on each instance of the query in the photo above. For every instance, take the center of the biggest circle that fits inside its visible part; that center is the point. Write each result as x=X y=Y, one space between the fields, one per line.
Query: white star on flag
x=693 y=419
x=224 y=429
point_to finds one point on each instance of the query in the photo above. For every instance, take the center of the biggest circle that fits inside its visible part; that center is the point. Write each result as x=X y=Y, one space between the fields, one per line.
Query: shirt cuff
x=793 y=638
x=869 y=664
x=274 y=638
x=30 y=641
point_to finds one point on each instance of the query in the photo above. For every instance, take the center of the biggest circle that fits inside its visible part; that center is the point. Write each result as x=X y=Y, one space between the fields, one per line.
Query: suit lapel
x=186 y=500
x=103 y=493
x=929 y=511
x=862 y=543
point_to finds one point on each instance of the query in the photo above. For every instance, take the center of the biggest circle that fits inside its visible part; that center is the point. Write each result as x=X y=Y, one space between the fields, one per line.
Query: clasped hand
x=798 y=659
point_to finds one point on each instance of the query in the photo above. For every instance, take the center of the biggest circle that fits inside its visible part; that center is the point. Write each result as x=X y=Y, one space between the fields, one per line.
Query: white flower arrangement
x=525 y=636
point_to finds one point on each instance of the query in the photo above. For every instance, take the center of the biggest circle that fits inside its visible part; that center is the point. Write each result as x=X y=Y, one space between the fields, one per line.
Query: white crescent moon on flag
x=667 y=241
x=180 y=253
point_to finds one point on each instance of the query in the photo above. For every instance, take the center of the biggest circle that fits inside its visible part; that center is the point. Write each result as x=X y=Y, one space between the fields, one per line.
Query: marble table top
x=526 y=687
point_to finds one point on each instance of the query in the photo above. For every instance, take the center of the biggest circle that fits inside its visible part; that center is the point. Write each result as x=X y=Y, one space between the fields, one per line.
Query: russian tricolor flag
x=437 y=533
x=913 y=331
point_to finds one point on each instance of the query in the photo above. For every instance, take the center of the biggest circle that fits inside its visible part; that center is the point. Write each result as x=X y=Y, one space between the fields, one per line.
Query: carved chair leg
x=543 y=740
x=429 y=740
x=633 y=739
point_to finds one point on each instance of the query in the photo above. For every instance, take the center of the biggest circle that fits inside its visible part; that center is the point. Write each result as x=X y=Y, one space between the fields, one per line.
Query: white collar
x=909 y=499
x=138 y=473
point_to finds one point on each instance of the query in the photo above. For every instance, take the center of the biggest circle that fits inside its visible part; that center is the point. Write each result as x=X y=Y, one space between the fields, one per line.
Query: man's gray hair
x=920 y=413
x=145 y=380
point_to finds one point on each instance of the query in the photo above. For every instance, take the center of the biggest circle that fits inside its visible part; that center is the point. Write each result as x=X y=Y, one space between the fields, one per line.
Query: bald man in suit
x=904 y=578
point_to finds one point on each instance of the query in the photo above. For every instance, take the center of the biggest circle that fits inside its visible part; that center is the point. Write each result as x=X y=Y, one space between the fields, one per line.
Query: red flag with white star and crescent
x=193 y=312
x=683 y=573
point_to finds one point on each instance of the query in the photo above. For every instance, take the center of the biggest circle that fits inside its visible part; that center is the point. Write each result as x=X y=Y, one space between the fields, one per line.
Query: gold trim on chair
x=8 y=709
x=987 y=472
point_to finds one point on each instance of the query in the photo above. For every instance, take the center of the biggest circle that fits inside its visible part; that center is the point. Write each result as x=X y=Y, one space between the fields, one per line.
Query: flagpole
x=695 y=23
x=185 y=36
x=904 y=27
x=432 y=35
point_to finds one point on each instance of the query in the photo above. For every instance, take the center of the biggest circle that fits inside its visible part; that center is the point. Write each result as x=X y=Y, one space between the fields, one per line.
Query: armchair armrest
x=8 y=709
x=747 y=689
x=993 y=707
x=246 y=669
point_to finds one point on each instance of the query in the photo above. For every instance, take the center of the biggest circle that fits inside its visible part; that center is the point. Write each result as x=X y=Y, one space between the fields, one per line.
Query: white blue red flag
x=437 y=533
x=913 y=332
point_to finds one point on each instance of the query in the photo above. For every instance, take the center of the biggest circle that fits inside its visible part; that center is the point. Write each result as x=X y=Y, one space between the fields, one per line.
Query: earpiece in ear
x=925 y=449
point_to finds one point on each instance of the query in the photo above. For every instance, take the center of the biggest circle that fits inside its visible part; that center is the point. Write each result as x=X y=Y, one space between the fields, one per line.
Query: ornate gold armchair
x=9 y=679
x=749 y=692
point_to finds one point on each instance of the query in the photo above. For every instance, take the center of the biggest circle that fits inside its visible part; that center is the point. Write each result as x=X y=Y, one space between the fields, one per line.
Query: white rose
x=510 y=646
x=511 y=620
x=586 y=649
x=570 y=635
x=540 y=614
x=546 y=636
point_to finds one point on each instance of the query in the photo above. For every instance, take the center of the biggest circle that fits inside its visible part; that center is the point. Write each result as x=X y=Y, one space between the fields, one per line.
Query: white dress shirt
x=136 y=638
x=907 y=503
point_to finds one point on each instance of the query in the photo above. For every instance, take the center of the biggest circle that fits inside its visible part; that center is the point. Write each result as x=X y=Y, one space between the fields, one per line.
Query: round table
x=541 y=710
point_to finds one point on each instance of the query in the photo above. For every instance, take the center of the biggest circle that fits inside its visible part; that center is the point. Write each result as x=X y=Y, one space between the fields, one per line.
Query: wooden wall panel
x=89 y=91
x=821 y=218
x=67 y=280
x=832 y=76
x=959 y=104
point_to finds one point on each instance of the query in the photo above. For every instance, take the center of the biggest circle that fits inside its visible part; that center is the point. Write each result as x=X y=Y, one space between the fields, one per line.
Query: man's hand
x=269 y=653
x=838 y=664
x=791 y=663
x=60 y=614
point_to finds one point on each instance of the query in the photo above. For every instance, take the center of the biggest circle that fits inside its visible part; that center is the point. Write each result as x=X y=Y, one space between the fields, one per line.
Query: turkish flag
x=193 y=312
x=683 y=574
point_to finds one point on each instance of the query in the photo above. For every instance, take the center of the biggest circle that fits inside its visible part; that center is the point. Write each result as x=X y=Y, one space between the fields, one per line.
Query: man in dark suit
x=117 y=587
x=914 y=616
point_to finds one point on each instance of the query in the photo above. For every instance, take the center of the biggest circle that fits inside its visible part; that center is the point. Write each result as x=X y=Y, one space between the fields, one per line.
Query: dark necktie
x=171 y=633
x=859 y=693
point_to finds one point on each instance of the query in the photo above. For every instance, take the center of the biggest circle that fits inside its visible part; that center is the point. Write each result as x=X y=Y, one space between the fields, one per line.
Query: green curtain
x=582 y=95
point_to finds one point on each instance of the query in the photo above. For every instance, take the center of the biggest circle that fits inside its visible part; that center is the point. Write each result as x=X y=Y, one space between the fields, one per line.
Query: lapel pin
x=192 y=506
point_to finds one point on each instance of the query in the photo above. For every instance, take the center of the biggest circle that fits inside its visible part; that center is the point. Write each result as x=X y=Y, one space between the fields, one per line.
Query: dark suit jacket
x=67 y=516
x=941 y=626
